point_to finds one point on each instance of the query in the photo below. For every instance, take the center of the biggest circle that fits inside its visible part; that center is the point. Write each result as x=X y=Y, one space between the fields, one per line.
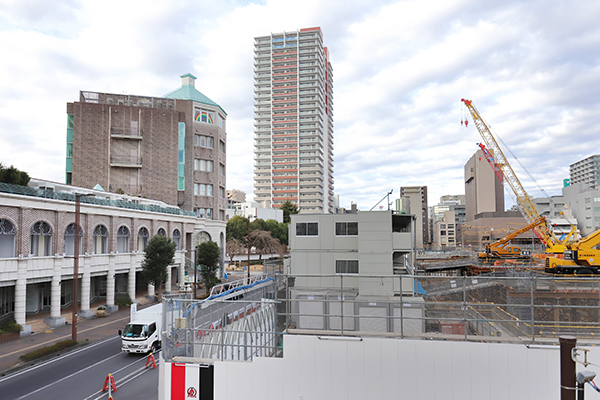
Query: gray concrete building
x=414 y=201
x=586 y=172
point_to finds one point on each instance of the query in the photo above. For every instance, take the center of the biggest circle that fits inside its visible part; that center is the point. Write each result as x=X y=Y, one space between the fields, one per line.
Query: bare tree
x=264 y=243
x=234 y=248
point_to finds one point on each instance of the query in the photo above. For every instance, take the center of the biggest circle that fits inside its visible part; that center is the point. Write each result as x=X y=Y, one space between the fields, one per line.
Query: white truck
x=143 y=333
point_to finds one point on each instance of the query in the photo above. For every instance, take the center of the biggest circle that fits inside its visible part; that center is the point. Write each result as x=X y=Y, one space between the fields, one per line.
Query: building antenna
x=388 y=200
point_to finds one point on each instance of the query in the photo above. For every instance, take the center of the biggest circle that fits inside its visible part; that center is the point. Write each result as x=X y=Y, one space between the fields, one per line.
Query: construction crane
x=581 y=258
x=500 y=249
x=504 y=171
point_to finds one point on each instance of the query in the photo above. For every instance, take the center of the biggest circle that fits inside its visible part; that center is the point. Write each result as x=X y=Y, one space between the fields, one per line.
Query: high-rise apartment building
x=293 y=123
x=169 y=148
x=586 y=171
x=415 y=199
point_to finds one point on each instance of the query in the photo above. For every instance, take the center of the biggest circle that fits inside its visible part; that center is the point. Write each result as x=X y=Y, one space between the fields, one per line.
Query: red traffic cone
x=151 y=358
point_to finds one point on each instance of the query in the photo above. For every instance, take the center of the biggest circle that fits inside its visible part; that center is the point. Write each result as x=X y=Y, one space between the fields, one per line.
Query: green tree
x=13 y=175
x=158 y=255
x=279 y=230
x=237 y=227
x=208 y=262
x=258 y=224
x=288 y=208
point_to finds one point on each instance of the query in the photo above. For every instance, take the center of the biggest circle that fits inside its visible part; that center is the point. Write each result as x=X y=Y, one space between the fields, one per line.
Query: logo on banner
x=192 y=393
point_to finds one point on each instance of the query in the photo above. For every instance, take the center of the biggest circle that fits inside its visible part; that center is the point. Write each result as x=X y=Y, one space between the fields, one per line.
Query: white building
x=252 y=211
x=37 y=233
x=586 y=172
x=293 y=121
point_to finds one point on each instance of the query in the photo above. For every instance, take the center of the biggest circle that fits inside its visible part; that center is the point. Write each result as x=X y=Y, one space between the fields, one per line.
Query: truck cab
x=140 y=337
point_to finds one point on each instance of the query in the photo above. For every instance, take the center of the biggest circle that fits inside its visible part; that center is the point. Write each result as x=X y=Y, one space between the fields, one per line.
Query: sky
x=400 y=69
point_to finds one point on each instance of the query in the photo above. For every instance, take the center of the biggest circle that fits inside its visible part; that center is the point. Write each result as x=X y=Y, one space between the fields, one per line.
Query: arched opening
x=177 y=239
x=69 y=246
x=8 y=234
x=100 y=240
x=123 y=236
x=143 y=236
x=41 y=239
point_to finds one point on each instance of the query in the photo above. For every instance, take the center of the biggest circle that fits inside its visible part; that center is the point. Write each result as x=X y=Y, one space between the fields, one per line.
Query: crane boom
x=527 y=207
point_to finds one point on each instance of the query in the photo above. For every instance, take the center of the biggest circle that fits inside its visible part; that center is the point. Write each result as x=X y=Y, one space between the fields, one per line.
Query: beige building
x=483 y=190
x=414 y=201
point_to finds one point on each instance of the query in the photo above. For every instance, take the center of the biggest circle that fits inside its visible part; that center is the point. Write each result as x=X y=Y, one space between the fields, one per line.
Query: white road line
x=67 y=377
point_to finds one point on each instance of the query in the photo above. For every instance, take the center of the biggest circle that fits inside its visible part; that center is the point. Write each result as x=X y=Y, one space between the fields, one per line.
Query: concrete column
x=21 y=297
x=131 y=283
x=110 y=286
x=151 y=290
x=55 y=319
x=168 y=284
x=182 y=267
x=86 y=288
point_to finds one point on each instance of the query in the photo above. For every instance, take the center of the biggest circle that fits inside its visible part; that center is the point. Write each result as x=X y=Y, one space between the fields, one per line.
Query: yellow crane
x=501 y=248
x=504 y=171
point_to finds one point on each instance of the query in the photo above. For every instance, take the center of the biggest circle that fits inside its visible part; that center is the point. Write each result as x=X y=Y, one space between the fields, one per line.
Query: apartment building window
x=307 y=229
x=222 y=169
x=207 y=142
x=203 y=212
x=205 y=116
x=588 y=199
x=346 y=228
x=201 y=189
x=203 y=165
x=221 y=192
x=222 y=146
x=346 y=266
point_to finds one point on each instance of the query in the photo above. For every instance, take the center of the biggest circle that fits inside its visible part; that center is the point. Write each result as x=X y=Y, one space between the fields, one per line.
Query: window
x=143 y=236
x=201 y=189
x=161 y=232
x=346 y=266
x=177 y=239
x=123 y=240
x=307 y=229
x=588 y=200
x=443 y=233
x=208 y=142
x=69 y=236
x=205 y=116
x=7 y=239
x=346 y=228
x=221 y=192
x=450 y=226
x=221 y=146
x=442 y=226
x=203 y=165
x=221 y=169
x=41 y=239
x=100 y=240
x=203 y=212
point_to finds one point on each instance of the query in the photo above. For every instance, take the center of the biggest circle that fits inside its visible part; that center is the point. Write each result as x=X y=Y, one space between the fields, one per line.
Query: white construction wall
x=384 y=368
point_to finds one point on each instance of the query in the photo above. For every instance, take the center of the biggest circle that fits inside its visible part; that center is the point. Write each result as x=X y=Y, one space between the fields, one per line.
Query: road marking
x=61 y=337
x=67 y=377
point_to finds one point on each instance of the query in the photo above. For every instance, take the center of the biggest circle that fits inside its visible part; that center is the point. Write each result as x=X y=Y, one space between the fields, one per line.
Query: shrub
x=44 y=351
x=123 y=301
x=10 y=326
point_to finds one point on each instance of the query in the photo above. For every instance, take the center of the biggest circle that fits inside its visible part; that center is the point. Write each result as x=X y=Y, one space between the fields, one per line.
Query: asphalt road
x=80 y=375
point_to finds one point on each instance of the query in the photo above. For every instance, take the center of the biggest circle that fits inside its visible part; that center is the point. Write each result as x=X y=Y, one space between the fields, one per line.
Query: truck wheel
x=153 y=348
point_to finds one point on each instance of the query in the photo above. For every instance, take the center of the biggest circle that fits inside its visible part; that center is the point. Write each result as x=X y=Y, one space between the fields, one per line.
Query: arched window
x=69 y=247
x=143 y=236
x=100 y=240
x=203 y=237
x=177 y=239
x=123 y=236
x=41 y=239
x=7 y=239
x=161 y=232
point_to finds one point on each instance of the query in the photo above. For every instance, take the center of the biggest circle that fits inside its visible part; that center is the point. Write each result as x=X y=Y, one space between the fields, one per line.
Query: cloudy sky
x=532 y=68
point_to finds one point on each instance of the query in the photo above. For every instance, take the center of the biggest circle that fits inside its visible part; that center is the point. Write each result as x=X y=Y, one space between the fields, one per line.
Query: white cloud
x=400 y=70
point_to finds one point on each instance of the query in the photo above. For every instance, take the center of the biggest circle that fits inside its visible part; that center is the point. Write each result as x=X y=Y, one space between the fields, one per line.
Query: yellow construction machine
x=580 y=258
x=501 y=249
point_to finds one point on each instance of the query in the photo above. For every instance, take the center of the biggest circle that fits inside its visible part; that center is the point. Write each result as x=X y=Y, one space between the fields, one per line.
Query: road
x=80 y=375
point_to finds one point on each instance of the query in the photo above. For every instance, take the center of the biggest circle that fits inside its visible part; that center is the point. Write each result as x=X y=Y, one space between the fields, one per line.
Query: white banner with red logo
x=185 y=381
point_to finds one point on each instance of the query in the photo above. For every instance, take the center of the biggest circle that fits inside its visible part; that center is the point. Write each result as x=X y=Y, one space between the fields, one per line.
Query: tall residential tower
x=293 y=123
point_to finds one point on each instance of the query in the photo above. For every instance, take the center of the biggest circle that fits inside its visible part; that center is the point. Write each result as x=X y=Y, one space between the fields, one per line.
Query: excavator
x=580 y=258
x=501 y=249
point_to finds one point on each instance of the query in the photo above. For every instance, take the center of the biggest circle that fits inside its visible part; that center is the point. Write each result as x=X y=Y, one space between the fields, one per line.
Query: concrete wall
x=379 y=368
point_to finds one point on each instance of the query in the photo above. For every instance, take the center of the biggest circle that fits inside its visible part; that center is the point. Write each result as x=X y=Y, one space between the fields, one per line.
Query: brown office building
x=169 y=148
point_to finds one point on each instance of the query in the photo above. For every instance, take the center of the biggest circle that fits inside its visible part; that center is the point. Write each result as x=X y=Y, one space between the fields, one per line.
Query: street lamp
x=76 y=264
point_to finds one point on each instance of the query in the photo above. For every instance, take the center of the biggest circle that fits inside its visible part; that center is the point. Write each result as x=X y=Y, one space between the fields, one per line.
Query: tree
x=237 y=227
x=288 y=208
x=13 y=175
x=159 y=253
x=279 y=230
x=234 y=248
x=208 y=263
x=264 y=243
x=258 y=224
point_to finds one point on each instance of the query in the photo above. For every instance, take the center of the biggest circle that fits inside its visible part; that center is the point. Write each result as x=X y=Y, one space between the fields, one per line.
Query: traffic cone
x=151 y=357
x=109 y=383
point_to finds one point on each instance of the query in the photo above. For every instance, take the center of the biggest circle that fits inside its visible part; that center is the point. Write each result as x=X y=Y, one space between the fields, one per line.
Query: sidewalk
x=91 y=329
